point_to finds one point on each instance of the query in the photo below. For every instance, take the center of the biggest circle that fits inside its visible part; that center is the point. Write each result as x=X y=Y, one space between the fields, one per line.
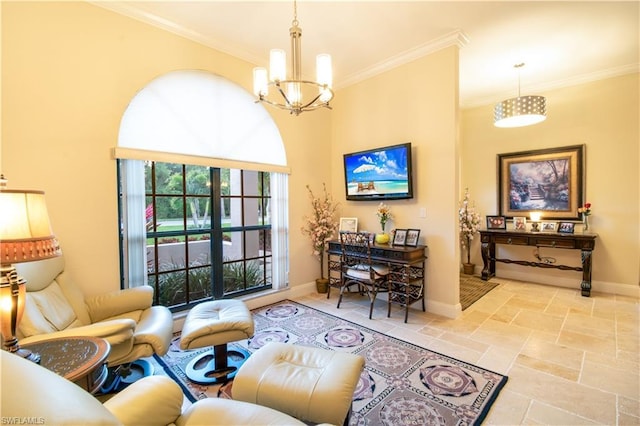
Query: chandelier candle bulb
x=260 y=83
x=323 y=69
x=277 y=65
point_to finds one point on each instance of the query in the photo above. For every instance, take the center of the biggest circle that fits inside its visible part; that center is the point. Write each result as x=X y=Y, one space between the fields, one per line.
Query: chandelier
x=520 y=111
x=293 y=94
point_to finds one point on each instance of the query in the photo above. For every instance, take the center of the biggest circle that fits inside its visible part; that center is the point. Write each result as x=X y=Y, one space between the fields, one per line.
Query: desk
x=407 y=271
x=82 y=360
x=584 y=242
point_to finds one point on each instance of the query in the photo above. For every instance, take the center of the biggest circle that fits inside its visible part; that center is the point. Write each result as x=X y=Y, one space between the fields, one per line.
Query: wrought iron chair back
x=357 y=267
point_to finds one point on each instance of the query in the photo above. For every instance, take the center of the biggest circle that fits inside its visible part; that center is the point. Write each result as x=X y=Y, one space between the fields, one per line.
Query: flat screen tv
x=379 y=174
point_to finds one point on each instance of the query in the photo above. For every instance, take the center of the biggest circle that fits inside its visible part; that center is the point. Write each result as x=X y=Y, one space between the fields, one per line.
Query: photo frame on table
x=520 y=223
x=400 y=237
x=548 y=227
x=566 y=227
x=348 y=224
x=412 y=237
x=496 y=222
x=547 y=180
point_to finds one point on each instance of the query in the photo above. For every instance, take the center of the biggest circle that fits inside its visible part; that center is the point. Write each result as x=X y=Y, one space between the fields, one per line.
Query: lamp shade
x=520 y=111
x=25 y=230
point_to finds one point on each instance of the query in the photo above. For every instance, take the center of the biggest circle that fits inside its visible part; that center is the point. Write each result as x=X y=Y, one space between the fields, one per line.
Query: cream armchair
x=32 y=392
x=55 y=307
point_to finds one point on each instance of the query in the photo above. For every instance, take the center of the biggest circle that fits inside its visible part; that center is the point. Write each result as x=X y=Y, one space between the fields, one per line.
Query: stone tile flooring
x=571 y=360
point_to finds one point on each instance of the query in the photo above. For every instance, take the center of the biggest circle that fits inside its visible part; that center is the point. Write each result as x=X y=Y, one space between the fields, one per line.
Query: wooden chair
x=357 y=267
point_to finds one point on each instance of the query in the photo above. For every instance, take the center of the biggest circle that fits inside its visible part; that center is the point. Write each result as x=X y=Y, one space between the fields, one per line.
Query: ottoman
x=311 y=384
x=216 y=323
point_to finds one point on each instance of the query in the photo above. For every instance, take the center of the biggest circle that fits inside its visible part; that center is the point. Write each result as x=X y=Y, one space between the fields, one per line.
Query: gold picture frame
x=550 y=181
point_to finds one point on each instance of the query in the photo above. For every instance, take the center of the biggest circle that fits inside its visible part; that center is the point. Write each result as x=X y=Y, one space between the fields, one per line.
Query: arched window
x=203 y=187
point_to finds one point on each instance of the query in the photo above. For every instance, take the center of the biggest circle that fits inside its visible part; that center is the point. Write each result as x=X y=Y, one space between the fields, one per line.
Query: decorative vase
x=382 y=238
x=468 y=268
x=322 y=285
x=585 y=223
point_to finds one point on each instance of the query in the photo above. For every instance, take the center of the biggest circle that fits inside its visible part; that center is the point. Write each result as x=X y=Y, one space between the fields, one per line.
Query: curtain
x=279 y=230
x=134 y=223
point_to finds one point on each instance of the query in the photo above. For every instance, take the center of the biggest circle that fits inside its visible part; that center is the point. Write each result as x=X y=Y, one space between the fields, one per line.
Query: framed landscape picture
x=550 y=181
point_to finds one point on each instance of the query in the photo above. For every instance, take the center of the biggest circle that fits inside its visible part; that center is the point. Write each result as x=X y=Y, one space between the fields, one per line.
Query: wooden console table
x=406 y=280
x=584 y=242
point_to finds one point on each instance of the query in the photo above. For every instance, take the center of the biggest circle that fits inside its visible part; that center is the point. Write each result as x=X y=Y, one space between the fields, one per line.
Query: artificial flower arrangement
x=384 y=215
x=585 y=209
x=469 y=222
x=321 y=225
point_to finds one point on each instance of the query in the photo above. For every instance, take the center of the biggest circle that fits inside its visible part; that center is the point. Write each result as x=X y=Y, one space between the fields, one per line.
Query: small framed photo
x=412 y=237
x=349 y=224
x=496 y=222
x=548 y=227
x=520 y=223
x=400 y=237
x=566 y=227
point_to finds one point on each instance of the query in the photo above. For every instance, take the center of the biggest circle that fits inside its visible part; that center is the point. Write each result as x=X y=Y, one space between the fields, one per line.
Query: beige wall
x=603 y=116
x=68 y=72
x=417 y=103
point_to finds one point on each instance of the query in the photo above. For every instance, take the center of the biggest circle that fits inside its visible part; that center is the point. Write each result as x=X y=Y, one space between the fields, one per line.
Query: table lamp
x=25 y=236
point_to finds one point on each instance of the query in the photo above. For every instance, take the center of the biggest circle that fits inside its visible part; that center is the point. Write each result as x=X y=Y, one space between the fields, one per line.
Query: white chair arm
x=153 y=400
x=119 y=302
x=114 y=331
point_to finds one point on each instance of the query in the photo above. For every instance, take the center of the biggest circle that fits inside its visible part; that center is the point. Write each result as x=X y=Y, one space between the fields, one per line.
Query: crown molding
x=122 y=8
x=454 y=38
x=472 y=102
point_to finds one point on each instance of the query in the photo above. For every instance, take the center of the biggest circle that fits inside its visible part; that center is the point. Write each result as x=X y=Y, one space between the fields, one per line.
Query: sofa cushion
x=47 y=311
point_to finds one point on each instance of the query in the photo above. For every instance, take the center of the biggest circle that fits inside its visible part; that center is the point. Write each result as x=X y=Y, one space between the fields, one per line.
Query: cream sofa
x=31 y=393
x=56 y=307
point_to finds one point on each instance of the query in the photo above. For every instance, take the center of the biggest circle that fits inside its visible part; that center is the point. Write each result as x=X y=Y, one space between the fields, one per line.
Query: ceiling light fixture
x=520 y=111
x=295 y=95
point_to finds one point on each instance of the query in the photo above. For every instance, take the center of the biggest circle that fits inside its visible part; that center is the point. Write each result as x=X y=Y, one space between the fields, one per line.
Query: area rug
x=402 y=384
x=472 y=288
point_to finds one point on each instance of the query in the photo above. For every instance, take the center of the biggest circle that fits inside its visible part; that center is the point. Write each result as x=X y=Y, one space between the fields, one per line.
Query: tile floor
x=571 y=360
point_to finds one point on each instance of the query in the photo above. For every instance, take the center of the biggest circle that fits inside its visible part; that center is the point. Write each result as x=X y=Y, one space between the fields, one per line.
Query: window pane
x=232 y=246
x=171 y=288
x=198 y=182
x=252 y=212
x=169 y=213
x=169 y=178
x=252 y=244
x=171 y=253
x=251 y=184
x=200 y=283
x=199 y=250
x=233 y=277
x=199 y=211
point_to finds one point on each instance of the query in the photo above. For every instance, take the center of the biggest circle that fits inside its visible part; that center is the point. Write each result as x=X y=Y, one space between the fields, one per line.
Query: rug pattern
x=402 y=384
x=473 y=288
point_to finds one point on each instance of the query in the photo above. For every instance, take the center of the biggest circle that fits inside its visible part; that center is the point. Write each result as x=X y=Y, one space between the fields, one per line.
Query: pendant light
x=521 y=111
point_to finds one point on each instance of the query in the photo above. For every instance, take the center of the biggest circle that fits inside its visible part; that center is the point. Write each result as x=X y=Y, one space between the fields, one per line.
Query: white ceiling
x=561 y=43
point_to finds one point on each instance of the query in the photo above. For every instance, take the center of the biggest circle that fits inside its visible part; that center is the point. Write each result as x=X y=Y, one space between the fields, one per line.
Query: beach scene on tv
x=379 y=172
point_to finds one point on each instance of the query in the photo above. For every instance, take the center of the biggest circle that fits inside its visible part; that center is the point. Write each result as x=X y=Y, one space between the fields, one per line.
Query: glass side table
x=82 y=360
